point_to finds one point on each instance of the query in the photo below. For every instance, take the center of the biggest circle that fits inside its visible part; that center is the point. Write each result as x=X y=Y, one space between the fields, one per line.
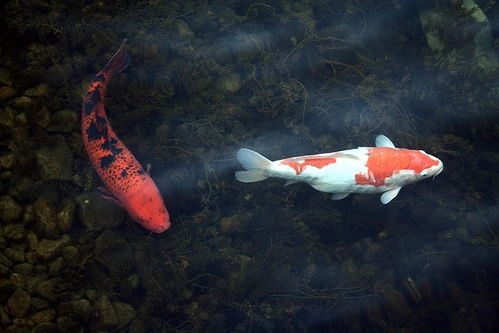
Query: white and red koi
x=381 y=169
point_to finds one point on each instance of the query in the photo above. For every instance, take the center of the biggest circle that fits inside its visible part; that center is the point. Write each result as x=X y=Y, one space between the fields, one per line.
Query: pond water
x=280 y=77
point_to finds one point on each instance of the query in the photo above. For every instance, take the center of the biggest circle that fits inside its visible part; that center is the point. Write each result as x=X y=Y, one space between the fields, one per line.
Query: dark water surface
x=284 y=78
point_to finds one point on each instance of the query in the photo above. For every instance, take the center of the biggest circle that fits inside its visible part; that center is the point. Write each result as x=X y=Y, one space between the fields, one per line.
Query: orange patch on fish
x=300 y=163
x=385 y=162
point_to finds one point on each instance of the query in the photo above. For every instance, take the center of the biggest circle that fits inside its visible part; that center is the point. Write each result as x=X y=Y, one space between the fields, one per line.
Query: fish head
x=431 y=165
x=147 y=208
x=424 y=165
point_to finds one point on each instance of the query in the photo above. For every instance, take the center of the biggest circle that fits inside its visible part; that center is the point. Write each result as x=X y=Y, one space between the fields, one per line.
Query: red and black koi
x=125 y=180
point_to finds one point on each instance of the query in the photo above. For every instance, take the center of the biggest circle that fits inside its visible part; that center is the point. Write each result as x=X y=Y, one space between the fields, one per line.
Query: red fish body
x=125 y=179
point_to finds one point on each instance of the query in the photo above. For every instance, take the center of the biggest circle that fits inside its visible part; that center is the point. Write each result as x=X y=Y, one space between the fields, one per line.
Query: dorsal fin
x=383 y=141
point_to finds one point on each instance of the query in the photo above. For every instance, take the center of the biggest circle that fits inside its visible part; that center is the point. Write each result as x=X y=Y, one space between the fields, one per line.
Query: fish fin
x=383 y=141
x=119 y=61
x=254 y=163
x=106 y=194
x=250 y=176
x=251 y=160
x=291 y=182
x=389 y=195
x=339 y=196
x=148 y=168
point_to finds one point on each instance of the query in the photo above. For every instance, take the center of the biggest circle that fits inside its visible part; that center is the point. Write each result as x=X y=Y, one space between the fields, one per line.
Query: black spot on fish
x=101 y=121
x=124 y=173
x=102 y=125
x=141 y=172
x=93 y=132
x=106 y=161
x=115 y=150
x=111 y=146
x=90 y=100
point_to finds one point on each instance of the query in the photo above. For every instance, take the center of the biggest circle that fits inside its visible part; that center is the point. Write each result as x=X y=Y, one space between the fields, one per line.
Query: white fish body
x=381 y=169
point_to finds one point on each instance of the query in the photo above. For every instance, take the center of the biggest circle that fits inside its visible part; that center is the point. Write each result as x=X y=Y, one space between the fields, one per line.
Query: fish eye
x=424 y=174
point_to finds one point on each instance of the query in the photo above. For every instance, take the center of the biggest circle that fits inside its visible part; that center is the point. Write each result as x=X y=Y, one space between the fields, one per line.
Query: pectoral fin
x=106 y=194
x=389 y=195
x=291 y=182
x=339 y=196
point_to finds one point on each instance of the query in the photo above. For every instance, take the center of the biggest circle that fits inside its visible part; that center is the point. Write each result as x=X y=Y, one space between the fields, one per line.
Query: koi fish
x=381 y=169
x=126 y=182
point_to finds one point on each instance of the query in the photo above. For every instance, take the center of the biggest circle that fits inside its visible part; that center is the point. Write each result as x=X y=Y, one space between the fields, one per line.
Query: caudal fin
x=254 y=163
x=118 y=62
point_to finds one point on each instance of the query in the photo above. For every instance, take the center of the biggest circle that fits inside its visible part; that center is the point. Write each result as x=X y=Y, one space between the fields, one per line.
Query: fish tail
x=255 y=165
x=118 y=62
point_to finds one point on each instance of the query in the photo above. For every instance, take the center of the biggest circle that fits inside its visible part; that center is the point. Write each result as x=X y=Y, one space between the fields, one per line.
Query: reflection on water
x=285 y=79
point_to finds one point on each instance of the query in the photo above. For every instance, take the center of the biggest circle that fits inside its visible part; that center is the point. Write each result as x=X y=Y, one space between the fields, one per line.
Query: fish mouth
x=440 y=170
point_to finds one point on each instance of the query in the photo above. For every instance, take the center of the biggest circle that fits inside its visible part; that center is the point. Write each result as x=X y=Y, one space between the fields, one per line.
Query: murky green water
x=283 y=78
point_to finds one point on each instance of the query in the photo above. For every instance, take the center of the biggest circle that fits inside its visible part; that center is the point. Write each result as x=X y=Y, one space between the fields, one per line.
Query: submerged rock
x=23 y=103
x=19 y=303
x=106 y=313
x=6 y=76
x=125 y=312
x=20 y=281
x=234 y=223
x=7 y=122
x=4 y=317
x=38 y=303
x=71 y=254
x=56 y=266
x=23 y=268
x=16 y=255
x=63 y=121
x=50 y=289
x=396 y=307
x=46 y=218
x=10 y=210
x=5 y=261
x=42 y=117
x=4 y=270
x=32 y=241
x=15 y=231
x=41 y=90
x=349 y=273
x=7 y=92
x=96 y=213
x=229 y=83
x=43 y=316
x=55 y=161
x=68 y=324
x=7 y=161
x=180 y=28
x=48 y=249
x=129 y=284
x=81 y=308
x=66 y=215
x=45 y=327
x=7 y=288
